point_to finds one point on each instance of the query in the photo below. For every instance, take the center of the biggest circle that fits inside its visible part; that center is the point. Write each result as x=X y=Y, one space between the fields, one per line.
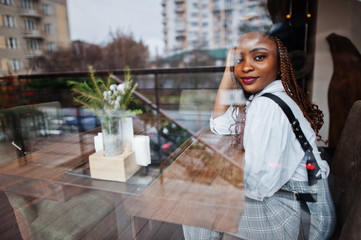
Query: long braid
x=311 y=111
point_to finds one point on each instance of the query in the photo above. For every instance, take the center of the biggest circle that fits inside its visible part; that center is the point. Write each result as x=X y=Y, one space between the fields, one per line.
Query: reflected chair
x=195 y=107
x=345 y=177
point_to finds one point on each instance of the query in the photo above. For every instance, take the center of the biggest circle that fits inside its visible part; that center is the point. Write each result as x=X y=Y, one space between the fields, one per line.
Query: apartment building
x=28 y=28
x=210 y=24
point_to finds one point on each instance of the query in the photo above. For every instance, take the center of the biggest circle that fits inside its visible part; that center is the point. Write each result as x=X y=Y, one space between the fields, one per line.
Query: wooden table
x=200 y=183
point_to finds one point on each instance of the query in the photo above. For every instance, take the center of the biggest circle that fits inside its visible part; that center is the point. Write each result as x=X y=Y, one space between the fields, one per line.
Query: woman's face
x=256 y=63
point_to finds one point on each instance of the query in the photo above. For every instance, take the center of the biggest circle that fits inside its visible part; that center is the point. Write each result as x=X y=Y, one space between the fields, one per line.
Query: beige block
x=117 y=168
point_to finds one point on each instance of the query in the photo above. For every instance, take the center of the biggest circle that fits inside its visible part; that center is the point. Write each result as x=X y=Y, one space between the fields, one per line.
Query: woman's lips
x=249 y=80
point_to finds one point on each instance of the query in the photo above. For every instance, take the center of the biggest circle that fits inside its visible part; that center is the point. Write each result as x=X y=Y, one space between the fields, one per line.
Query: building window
x=205 y=24
x=240 y=2
x=51 y=46
x=7 y=2
x=194 y=24
x=15 y=65
x=216 y=5
x=204 y=5
x=179 y=7
x=12 y=43
x=228 y=4
x=194 y=14
x=228 y=13
x=195 y=5
x=205 y=44
x=27 y=4
x=9 y=21
x=33 y=44
x=204 y=15
x=31 y=24
x=48 y=28
x=228 y=24
x=47 y=10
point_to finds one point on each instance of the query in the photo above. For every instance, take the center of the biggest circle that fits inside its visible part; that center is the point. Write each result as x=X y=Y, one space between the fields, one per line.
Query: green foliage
x=97 y=93
x=89 y=93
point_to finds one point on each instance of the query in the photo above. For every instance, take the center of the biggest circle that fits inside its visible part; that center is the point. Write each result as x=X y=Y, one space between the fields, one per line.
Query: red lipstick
x=249 y=80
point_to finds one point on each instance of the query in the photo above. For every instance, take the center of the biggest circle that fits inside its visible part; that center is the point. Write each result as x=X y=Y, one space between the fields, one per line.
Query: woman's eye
x=239 y=60
x=259 y=57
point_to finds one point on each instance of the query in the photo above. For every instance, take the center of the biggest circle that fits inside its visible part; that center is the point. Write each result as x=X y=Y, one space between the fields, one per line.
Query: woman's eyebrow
x=257 y=49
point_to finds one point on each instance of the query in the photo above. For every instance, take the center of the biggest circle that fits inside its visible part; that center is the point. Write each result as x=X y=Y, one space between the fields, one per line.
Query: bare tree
x=121 y=51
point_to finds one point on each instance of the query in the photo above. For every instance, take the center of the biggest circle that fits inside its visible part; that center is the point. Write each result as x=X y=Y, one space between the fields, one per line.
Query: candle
x=141 y=148
x=98 y=142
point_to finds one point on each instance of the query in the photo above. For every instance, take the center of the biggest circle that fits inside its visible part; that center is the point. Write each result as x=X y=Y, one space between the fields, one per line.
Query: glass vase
x=112 y=131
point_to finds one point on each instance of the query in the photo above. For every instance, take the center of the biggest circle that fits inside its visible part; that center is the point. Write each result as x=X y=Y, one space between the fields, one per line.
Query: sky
x=93 y=21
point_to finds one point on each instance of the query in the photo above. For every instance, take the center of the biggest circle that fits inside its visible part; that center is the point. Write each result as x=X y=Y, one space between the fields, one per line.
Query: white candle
x=98 y=142
x=141 y=148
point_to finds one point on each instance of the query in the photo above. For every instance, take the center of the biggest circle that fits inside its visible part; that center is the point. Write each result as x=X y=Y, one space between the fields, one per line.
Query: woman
x=275 y=172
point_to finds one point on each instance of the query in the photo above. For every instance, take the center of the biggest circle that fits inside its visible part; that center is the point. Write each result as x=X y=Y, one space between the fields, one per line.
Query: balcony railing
x=158 y=87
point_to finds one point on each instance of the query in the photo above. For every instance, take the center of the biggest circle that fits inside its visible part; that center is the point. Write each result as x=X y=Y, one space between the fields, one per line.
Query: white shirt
x=273 y=155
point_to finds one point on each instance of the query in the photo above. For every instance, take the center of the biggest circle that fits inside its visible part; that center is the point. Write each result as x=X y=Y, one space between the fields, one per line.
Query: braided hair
x=310 y=111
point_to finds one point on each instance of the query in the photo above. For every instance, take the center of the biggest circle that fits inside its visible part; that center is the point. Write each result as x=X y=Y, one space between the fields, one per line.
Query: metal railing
x=154 y=82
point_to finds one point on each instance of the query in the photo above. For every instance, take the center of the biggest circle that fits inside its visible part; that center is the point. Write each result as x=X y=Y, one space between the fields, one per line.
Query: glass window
x=205 y=44
x=229 y=13
x=228 y=24
x=31 y=24
x=27 y=4
x=48 y=28
x=205 y=24
x=228 y=4
x=216 y=5
x=194 y=14
x=9 y=21
x=194 y=24
x=7 y=2
x=33 y=44
x=15 y=65
x=47 y=9
x=51 y=46
x=12 y=43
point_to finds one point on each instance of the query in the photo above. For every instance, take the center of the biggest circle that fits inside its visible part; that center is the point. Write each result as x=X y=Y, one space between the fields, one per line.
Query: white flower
x=113 y=87
x=121 y=88
x=105 y=95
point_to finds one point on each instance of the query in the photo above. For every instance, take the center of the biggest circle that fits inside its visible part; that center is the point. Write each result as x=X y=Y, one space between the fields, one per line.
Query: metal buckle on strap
x=307 y=197
x=303 y=197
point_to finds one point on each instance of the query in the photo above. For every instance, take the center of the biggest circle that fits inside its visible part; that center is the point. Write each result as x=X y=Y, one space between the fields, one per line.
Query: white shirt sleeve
x=270 y=159
x=223 y=125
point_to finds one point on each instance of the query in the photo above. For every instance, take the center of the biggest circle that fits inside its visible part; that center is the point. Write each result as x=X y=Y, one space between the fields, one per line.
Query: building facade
x=28 y=28
x=210 y=24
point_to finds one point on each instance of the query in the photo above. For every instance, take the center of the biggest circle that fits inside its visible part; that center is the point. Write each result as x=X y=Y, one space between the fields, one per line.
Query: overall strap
x=313 y=170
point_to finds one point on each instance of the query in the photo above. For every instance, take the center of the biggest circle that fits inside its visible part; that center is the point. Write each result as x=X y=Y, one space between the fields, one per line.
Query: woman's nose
x=247 y=66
